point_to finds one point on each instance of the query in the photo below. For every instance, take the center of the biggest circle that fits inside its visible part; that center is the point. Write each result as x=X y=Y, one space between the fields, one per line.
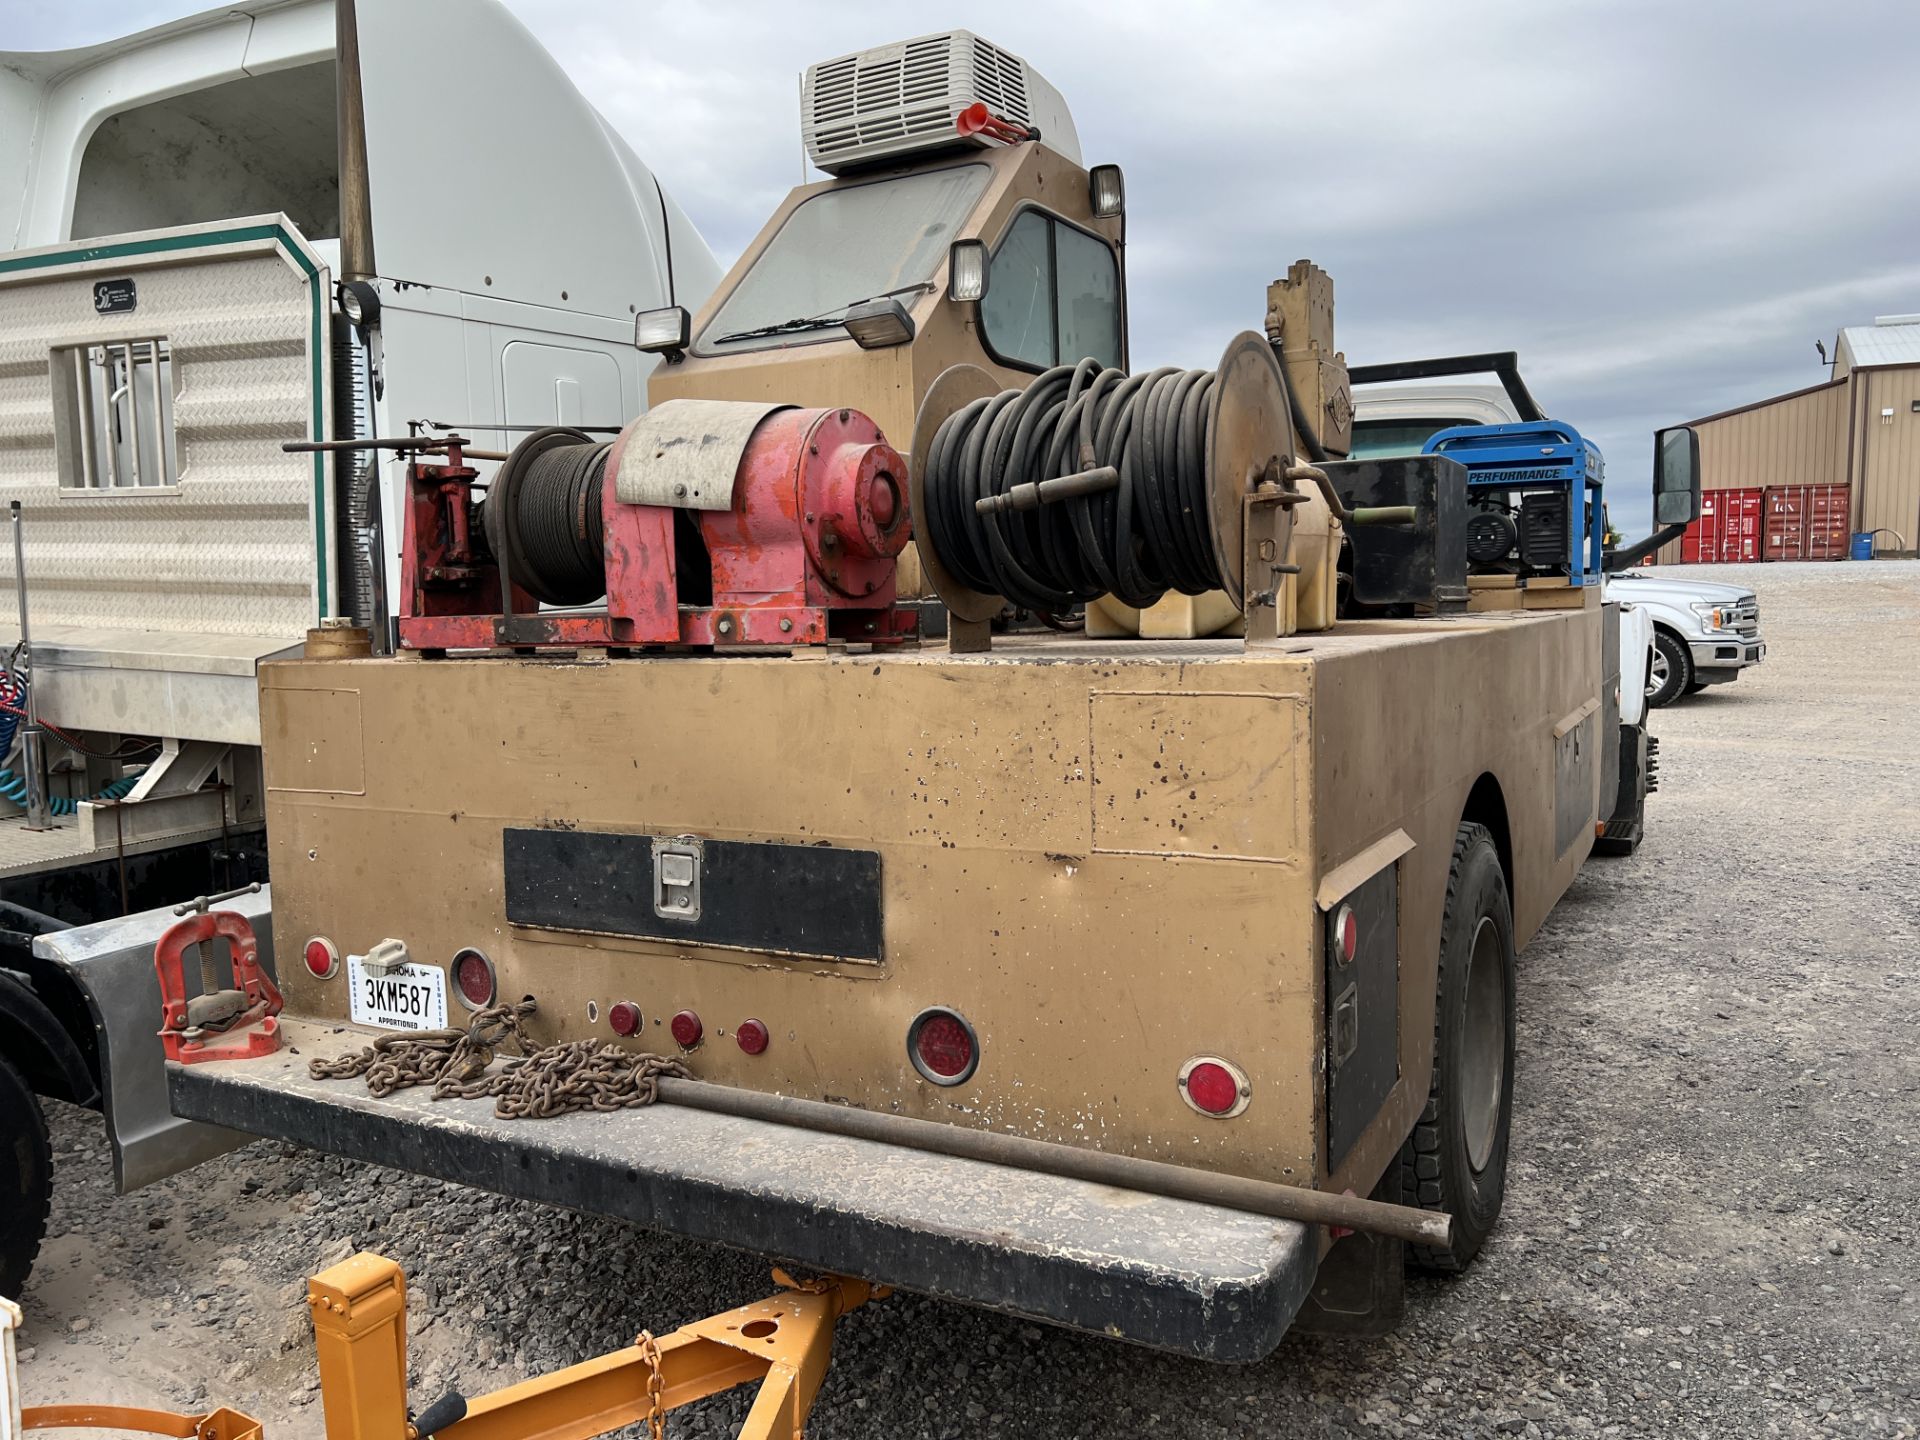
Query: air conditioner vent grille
x=897 y=99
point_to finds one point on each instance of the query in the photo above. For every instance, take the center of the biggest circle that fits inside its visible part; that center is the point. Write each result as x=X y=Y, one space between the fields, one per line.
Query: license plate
x=414 y=997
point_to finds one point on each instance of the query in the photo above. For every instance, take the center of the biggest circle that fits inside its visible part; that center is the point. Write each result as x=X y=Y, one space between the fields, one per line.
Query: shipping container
x=1807 y=522
x=1728 y=530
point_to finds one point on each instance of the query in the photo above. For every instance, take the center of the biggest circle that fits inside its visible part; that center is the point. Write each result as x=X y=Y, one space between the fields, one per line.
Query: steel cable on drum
x=1149 y=534
x=543 y=515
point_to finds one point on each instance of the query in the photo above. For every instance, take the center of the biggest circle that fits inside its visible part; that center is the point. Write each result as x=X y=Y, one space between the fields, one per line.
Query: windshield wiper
x=825 y=320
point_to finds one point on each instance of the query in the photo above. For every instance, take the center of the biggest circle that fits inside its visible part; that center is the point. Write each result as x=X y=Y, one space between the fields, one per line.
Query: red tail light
x=752 y=1036
x=942 y=1046
x=624 y=1017
x=1343 y=934
x=1215 y=1087
x=321 y=957
x=473 y=979
x=687 y=1029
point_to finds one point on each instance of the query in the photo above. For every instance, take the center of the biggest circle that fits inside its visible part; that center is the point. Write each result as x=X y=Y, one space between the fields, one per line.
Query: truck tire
x=26 y=1180
x=1671 y=671
x=1456 y=1159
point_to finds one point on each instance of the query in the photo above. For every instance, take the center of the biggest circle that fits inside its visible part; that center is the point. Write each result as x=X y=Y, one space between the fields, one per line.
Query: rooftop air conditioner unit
x=897 y=100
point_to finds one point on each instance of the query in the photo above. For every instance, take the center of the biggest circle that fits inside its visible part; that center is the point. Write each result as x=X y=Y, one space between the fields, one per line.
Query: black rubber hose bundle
x=1136 y=542
x=544 y=514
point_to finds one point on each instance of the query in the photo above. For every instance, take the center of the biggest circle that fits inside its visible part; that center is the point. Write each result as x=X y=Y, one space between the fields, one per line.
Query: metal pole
x=33 y=740
x=1123 y=1172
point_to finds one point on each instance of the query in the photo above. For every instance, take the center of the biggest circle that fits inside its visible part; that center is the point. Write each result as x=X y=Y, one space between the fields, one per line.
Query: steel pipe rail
x=1125 y=1172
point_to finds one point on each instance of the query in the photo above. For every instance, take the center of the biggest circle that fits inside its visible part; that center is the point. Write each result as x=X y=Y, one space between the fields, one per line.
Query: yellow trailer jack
x=783 y=1344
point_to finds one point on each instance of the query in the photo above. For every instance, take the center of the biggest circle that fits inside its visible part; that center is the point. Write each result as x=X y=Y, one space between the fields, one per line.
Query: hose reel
x=1092 y=482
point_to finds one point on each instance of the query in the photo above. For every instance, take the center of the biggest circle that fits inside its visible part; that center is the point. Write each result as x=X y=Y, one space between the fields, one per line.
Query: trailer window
x=115 y=429
x=840 y=247
x=1054 y=295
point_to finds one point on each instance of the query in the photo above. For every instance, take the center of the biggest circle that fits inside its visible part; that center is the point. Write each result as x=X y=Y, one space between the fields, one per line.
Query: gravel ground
x=1710 y=1225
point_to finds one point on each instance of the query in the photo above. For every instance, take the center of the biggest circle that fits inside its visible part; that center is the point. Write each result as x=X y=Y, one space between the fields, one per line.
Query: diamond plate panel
x=232 y=548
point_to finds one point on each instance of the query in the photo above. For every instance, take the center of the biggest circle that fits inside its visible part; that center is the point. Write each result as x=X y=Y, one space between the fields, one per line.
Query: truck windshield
x=843 y=246
x=1384 y=439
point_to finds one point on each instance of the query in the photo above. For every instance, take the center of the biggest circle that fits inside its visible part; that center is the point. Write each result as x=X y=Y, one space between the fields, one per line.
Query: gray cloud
x=1659 y=206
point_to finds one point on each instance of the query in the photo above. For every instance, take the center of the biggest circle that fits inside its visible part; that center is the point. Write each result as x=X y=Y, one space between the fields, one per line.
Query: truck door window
x=1054 y=296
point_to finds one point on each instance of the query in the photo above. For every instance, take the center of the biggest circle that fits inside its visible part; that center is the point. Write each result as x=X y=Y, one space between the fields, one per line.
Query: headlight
x=1712 y=616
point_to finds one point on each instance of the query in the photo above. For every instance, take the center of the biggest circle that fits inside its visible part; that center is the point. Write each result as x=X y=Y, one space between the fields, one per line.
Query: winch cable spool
x=543 y=516
x=1135 y=537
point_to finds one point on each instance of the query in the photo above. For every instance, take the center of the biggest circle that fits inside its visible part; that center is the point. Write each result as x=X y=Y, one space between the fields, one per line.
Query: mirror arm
x=1622 y=556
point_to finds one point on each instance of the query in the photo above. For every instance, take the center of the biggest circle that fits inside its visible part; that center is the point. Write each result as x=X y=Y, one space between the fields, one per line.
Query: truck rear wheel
x=26 y=1180
x=1456 y=1159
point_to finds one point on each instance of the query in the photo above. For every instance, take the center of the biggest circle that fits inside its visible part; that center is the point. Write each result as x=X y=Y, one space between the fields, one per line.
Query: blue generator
x=1533 y=499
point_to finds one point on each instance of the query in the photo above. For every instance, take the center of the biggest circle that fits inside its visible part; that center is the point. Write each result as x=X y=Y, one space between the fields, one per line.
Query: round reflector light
x=1214 y=1087
x=473 y=979
x=942 y=1046
x=1343 y=934
x=624 y=1017
x=687 y=1029
x=321 y=957
x=752 y=1036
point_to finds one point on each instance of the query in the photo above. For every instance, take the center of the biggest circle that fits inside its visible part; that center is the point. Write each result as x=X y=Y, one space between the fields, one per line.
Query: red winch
x=703 y=523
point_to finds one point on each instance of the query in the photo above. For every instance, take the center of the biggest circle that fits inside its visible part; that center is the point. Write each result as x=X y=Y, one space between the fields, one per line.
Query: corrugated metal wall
x=1887 y=454
x=1797 y=440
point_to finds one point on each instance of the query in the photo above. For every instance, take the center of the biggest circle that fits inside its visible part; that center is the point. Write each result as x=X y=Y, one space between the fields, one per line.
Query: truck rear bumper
x=1212 y=1283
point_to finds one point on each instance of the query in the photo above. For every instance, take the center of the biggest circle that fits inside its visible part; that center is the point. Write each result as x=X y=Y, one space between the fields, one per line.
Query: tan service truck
x=1068 y=913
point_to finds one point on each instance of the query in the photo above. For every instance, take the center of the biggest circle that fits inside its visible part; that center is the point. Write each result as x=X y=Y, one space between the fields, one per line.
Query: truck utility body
x=1030 y=813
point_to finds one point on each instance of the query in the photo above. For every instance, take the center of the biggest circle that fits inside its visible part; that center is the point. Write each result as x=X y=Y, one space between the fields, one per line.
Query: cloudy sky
x=1659 y=205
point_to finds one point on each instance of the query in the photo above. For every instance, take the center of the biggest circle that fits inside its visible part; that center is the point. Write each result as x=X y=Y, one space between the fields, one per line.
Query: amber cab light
x=687 y=1029
x=752 y=1036
x=1214 y=1086
x=473 y=979
x=942 y=1046
x=624 y=1017
x=321 y=957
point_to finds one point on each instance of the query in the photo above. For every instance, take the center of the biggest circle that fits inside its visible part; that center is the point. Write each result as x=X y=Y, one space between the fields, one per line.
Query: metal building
x=1860 y=429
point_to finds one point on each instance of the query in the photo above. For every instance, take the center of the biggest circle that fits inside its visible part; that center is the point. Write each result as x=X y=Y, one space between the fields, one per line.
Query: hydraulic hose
x=1134 y=533
x=14 y=788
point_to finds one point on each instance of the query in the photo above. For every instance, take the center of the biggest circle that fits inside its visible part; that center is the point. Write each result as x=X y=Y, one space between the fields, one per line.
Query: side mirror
x=1676 y=476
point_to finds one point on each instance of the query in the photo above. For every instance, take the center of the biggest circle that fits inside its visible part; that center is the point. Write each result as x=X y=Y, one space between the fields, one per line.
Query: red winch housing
x=786 y=537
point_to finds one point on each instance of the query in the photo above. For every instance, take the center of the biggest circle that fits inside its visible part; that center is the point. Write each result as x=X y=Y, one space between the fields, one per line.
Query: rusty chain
x=656 y=1386
x=540 y=1084
x=433 y=1057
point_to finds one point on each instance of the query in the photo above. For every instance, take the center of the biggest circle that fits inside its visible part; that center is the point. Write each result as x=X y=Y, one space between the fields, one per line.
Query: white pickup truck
x=1704 y=633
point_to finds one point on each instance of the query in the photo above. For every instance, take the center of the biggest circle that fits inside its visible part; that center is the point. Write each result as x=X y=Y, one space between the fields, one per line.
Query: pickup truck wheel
x=26 y=1180
x=1456 y=1159
x=1669 y=669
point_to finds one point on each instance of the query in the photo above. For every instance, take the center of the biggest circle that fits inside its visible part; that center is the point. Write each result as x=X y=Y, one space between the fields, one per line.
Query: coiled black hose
x=1148 y=535
x=543 y=515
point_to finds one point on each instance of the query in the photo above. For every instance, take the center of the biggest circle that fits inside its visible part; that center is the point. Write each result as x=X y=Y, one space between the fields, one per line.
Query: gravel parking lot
x=1711 y=1222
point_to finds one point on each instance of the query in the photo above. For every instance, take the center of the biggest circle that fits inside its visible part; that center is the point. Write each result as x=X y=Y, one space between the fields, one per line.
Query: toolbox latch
x=676 y=878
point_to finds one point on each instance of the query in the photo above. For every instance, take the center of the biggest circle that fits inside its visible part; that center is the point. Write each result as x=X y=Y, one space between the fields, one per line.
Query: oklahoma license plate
x=414 y=997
